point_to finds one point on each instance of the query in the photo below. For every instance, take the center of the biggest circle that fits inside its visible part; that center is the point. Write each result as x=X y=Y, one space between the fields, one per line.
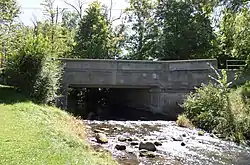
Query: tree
x=93 y=36
x=60 y=36
x=208 y=6
x=185 y=31
x=78 y=7
x=50 y=11
x=31 y=69
x=53 y=14
x=233 y=5
x=63 y=39
x=70 y=20
x=9 y=10
x=118 y=35
x=234 y=35
x=139 y=42
x=108 y=13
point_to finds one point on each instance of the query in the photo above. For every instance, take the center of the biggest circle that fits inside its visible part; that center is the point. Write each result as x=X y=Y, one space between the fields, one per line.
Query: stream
x=174 y=145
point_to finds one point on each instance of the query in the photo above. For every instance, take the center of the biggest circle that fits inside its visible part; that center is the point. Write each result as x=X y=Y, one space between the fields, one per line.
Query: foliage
x=31 y=72
x=78 y=7
x=240 y=102
x=47 y=81
x=233 y=5
x=9 y=11
x=139 y=42
x=171 y=29
x=60 y=36
x=42 y=134
x=93 y=36
x=70 y=20
x=183 y=121
x=245 y=92
x=62 y=41
x=233 y=36
x=51 y=12
x=205 y=107
x=241 y=35
x=117 y=41
x=212 y=108
x=185 y=32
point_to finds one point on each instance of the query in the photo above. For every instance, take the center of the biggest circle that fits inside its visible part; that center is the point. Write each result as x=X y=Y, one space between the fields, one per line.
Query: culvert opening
x=111 y=104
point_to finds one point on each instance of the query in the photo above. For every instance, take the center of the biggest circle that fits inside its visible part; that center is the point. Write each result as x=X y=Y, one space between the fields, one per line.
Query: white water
x=198 y=149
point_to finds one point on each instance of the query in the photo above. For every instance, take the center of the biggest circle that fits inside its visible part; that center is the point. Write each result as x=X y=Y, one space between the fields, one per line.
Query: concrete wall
x=163 y=84
x=137 y=74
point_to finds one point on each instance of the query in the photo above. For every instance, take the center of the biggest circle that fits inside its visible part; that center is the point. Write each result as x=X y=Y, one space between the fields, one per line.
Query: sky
x=31 y=10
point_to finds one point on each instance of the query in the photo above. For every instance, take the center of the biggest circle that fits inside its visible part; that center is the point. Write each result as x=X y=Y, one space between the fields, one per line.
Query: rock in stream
x=163 y=142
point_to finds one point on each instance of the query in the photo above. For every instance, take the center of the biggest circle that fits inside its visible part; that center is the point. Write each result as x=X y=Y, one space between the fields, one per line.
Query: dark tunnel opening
x=110 y=104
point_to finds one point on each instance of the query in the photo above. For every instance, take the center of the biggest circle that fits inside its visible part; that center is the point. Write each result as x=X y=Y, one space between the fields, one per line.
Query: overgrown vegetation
x=217 y=108
x=32 y=69
x=34 y=134
x=240 y=103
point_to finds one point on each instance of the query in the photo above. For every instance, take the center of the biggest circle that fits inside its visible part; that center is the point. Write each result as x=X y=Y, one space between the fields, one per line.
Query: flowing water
x=180 y=146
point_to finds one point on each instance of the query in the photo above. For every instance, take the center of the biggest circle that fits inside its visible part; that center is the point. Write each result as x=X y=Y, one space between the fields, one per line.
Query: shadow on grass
x=9 y=95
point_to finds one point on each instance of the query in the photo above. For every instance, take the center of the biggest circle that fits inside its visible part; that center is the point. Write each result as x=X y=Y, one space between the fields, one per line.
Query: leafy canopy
x=93 y=36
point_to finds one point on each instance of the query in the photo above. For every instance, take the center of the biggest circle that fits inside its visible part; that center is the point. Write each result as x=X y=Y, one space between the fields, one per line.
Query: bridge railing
x=136 y=65
x=235 y=64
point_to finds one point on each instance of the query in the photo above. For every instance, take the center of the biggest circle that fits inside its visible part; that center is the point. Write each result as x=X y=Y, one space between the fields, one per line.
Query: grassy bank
x=34 y=134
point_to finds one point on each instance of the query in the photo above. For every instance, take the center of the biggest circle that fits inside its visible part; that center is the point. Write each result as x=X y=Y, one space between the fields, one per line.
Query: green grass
x=183 y=121
x=35 y=134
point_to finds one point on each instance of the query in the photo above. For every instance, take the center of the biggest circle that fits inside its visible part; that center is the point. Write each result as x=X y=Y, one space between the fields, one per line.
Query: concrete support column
x=155 y=100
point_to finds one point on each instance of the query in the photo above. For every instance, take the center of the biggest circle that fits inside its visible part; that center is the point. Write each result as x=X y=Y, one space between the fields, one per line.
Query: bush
x=206 y=107
x=216 y=108
x=245 y=92
x=32 y=71
x=47 y=82
x=241 y=109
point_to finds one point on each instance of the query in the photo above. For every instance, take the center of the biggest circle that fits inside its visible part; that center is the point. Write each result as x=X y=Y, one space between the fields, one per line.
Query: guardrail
x=235 y=64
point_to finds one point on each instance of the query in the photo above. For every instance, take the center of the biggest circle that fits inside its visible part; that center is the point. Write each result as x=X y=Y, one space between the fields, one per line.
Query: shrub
x=210 y=108
x=47 y=81
x=217 y=108
x=241 y=109
x=183 y=121
x=245 y=92
x=31 y=70
x=205 y=107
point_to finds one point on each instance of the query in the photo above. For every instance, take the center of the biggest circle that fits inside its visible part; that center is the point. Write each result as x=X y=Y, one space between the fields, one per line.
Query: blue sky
x=32 y=9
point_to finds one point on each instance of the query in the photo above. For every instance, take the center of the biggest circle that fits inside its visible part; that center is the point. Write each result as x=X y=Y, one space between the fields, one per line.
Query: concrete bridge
x=157 y=86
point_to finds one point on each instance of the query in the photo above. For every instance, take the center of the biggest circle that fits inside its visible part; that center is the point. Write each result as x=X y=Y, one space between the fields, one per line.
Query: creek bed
x=180 y=146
